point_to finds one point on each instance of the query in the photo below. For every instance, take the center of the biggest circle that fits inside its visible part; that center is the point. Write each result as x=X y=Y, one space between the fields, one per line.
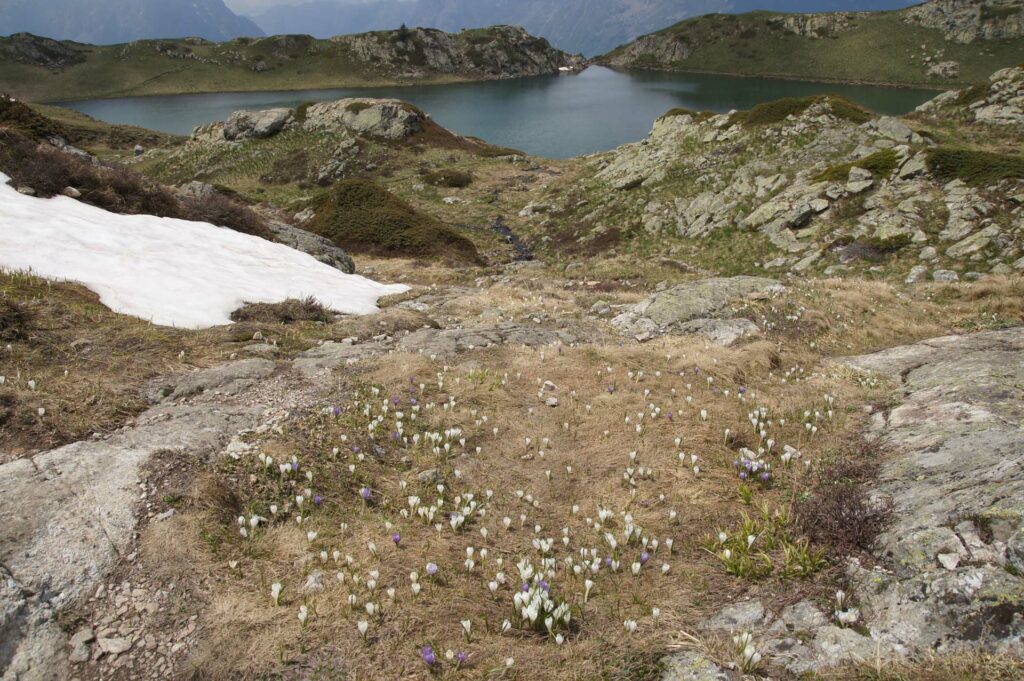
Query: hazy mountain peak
x=116 y=21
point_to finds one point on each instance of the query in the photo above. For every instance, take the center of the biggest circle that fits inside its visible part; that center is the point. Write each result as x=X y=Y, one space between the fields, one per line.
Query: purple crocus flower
x=644 y=557
x=336 y=411
x=396 y=538
x=669 y=416
x=431 y=569
x=461 y=657
x=743 y=390
x=355 y=449
x=365 y=493
x=318 y=500
x=544 y=585
x=611 y=389
x=295 y=465
x=525 y=587
x=428 y=655
x=743 y=475
x=765 y=476
x=395 y=400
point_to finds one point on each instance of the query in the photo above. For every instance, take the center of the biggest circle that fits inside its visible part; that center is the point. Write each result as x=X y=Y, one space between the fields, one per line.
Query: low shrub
x=839 y=512
x=881 y=164
x=20 y=117
x=681 y=111
x=498 y=152
x=781 y=109
x=286 y=312
x=976 y=168
x=15 y=321
x=360 y=215
x=220 y=210
x=118 y=189
x=455 y=179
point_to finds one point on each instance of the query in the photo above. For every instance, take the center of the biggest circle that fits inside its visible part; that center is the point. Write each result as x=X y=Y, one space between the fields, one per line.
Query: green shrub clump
x=362 y=216
x=449 y=178
x=781 y=109
x=680 y=111
x=880 y=164
x=976 y=168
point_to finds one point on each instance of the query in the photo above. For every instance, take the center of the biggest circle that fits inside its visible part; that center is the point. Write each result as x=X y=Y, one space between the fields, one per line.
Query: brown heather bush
x=14 y=321
x=286 y=312
x=838 y=513
x=118 y=189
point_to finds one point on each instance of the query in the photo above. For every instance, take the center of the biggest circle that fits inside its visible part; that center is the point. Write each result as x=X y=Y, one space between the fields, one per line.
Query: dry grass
x=968 y=666
x=596 y=646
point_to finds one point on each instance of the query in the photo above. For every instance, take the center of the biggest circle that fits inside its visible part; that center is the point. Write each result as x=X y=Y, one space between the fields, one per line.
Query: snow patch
x=169 y=271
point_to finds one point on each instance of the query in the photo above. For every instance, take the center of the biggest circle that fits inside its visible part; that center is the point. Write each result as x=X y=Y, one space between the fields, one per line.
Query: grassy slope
x=138 y=69
x=881 y=49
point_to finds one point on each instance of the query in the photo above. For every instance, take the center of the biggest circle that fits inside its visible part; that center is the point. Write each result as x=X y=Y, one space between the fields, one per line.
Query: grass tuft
x=286 y=312
x=881 y=164
x=781 y=109
x=976 y=168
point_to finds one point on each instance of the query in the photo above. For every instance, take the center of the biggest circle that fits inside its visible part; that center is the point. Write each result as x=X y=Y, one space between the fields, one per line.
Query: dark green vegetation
x=875 y=47
x=780 y=109
x=881 y=164
x=977 y=168
x=362 y=216
x=681 y=111
x=38 y=69
x=456 y=179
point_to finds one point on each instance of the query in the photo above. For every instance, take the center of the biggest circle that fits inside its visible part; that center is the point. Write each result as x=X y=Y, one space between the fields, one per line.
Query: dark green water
x=552 y=116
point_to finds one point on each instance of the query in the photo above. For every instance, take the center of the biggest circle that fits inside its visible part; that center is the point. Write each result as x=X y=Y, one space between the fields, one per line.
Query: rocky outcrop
x=25 y=48
x=964 y=21
x=321 y=248
x=827 y=25
x=243 y=125
x=494 y=52
x=390 y=119
x=948 y=576
x=696 y=308
x=1000 y=101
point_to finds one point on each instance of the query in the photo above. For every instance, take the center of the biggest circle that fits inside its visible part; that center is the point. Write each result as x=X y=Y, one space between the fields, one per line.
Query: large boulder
x=383 y=118
x=243 y=125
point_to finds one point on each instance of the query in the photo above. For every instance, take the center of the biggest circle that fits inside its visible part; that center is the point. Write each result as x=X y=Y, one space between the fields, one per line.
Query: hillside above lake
x=42 y=69
x=939 y=43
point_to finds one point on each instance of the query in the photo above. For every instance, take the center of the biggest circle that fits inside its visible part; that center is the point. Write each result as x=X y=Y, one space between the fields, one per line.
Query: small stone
x=71 y=192
x=945 y=276
x=114 y=646
x=314 y=583
x=928 y=253
x=950 y=561
x=551 y=402
x=139 y=150
x=916 y=274
x=27 y=191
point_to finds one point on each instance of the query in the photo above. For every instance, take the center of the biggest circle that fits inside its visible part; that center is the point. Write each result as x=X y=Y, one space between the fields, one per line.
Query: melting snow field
x=171 y=272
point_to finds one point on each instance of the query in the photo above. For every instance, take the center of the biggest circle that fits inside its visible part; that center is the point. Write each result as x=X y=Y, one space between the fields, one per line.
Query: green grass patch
x=681 y=111
x=880 y=164
x=361 y=215
x=781 y=109
x=976 y=168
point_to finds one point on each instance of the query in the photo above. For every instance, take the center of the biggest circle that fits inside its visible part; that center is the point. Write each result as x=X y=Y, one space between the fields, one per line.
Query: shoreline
x=791 y=77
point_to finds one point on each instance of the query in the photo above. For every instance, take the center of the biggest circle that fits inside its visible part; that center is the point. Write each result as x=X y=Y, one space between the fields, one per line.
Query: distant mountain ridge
x=105 y=22
x=588 y=26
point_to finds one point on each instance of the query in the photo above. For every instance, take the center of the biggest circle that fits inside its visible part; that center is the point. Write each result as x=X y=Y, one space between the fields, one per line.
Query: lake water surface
x=553 y=116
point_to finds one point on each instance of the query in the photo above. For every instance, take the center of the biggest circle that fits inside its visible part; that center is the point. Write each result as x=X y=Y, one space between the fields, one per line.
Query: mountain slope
x=940 y=42
x=41 y=69
x=118 y=21
x=587 y=26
